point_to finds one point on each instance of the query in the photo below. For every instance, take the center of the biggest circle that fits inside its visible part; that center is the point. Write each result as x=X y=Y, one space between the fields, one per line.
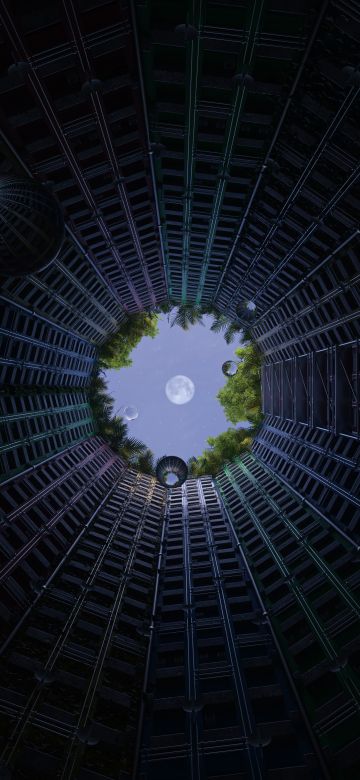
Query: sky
x=165 y=427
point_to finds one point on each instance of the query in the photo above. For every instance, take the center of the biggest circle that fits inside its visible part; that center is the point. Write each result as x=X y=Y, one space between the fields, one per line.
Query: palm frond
x=133 y=446
x=231 y=331
x=165 y=306
x=229 y=335
x=246 y=335
x=178 y=318
x=186 y=315
x=145 y=462
x=220 y=322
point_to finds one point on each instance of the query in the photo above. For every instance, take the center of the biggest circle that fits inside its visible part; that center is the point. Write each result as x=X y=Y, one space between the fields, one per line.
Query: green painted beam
x=256 y=10
x=346 y=676
x=38 y=436
x=41 y=412
x=37 y=461
x=193 y=57
x=321 y=564
x=141 y=20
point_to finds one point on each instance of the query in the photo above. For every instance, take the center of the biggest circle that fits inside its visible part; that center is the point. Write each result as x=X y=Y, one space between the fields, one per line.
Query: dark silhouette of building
x=205 y=153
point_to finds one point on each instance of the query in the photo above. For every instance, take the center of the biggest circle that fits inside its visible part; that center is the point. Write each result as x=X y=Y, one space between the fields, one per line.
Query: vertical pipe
x=150 y=645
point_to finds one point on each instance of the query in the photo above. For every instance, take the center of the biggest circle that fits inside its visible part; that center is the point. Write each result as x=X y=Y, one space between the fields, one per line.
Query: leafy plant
x=116 y=351
x=225 y=447
x=189 y=314
x=241 y=396
x=145 y=462
x=113 y=428
x=222 y=323
x=241 y=400
x=186 y=315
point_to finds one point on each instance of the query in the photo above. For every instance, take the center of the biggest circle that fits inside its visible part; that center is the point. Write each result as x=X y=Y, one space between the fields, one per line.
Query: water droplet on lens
x=130 y=413
x=229 y=368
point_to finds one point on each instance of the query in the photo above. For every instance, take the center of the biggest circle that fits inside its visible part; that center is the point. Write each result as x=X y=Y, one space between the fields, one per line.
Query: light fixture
x=186 y=31
x=171 y=471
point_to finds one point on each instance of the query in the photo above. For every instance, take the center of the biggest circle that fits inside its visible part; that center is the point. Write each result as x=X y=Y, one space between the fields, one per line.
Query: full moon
x=179 y=389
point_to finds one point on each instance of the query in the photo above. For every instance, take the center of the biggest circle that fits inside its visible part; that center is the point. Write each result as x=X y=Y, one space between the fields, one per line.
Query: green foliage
x=116 y=351
x=223 y=448
x=164 y=307
x=189 y=314
x=241 y=399
x=100 y=401
x=145 y=462
x=241 y=396
x=114 y=430
x=222 y=324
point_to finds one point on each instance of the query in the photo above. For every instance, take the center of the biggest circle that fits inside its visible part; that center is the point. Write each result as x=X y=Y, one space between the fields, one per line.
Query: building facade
x=206 y=154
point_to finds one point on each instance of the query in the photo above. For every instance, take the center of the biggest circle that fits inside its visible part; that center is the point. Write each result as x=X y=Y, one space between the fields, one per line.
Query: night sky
x=167 y=428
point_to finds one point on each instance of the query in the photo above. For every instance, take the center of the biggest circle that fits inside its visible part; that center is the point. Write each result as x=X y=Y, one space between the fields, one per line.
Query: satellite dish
x=91 y=86
x=244 y=79
x=44 y=676
x=259 y=739
x=157 y=148
x=338 y=664
x=37 y=586
x=19 y=69
x=193 y=705
x=87 y=735
x=186 y=31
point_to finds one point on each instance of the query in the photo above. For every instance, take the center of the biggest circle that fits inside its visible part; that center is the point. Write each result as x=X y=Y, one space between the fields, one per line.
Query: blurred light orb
x=229 y=368
x=130 y=413
x=179 y=389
